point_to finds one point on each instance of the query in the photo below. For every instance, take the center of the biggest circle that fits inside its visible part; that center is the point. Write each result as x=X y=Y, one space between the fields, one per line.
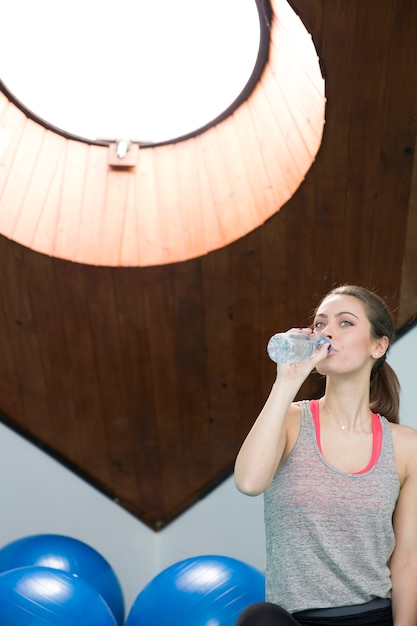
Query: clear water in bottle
x=294 y=347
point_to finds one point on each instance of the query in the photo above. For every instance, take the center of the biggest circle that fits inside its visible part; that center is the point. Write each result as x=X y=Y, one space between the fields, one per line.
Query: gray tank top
x=329 y=534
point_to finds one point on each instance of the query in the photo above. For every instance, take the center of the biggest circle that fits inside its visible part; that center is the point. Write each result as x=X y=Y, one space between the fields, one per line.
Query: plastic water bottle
x=294 y=347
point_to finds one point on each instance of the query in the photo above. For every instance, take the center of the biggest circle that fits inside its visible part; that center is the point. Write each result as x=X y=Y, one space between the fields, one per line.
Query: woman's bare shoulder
x=404 y=433
x=405 y=446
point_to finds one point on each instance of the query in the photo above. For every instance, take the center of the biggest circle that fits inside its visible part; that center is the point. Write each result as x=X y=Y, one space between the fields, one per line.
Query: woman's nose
x=328 y=332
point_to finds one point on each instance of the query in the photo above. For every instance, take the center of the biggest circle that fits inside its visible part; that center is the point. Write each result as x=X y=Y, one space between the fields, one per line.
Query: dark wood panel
x=11 y=399
x=218 y=309
x=106 y=331
x=24 y=342
x=87 y=417
x=54 y=389
x=193 y=397
x=407 y=310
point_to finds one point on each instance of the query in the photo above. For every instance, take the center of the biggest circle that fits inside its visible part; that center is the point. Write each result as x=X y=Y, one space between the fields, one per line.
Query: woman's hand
x=298 y=372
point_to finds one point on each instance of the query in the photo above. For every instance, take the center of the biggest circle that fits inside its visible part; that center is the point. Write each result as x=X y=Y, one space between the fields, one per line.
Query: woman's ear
x=380 y=347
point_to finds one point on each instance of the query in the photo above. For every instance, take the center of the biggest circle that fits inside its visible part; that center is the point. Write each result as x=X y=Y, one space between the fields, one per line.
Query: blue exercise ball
x=199 y=591
x=43 y=596
x=71 y=556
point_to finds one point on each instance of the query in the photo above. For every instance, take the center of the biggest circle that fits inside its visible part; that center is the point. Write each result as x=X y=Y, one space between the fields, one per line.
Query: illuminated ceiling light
x=148 y=71
x=180 y=199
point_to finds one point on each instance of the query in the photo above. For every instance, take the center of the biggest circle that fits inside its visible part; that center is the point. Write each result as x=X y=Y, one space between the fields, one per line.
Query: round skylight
x=144 y=70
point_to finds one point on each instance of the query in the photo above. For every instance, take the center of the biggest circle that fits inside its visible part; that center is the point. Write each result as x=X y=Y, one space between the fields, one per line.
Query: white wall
x=402 y=358
x=38 y=495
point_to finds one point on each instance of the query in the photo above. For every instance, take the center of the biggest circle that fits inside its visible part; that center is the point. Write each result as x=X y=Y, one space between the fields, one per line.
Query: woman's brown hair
x=384 y=391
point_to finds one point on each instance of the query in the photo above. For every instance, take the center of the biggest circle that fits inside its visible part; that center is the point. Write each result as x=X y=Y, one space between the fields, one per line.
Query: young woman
x=339 y=478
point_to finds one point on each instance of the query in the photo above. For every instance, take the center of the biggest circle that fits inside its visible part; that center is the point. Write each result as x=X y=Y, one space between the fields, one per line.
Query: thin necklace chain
x=348 y=427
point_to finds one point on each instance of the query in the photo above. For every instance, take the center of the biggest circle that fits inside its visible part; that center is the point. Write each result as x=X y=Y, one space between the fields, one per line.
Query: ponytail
x=384 y=395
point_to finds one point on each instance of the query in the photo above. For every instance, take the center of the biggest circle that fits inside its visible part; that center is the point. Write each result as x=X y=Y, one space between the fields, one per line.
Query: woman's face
x=343 y=320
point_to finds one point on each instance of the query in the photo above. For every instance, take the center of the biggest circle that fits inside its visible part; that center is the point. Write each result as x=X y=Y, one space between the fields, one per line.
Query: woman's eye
x=346 y=323
x=318 y=324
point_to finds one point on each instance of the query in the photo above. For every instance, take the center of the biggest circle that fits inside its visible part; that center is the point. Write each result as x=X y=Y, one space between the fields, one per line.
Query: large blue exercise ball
x=199 y=591
x=43 y=596
x=71 y=556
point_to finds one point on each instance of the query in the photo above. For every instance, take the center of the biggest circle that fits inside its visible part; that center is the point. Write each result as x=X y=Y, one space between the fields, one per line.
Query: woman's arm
x=263 y=448
x=403 y=563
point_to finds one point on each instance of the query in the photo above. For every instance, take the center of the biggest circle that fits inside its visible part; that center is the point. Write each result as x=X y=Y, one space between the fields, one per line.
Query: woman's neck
x=346 y=403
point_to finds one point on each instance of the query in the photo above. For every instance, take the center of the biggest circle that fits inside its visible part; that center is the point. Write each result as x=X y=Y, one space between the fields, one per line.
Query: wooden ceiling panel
x=145 y=380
